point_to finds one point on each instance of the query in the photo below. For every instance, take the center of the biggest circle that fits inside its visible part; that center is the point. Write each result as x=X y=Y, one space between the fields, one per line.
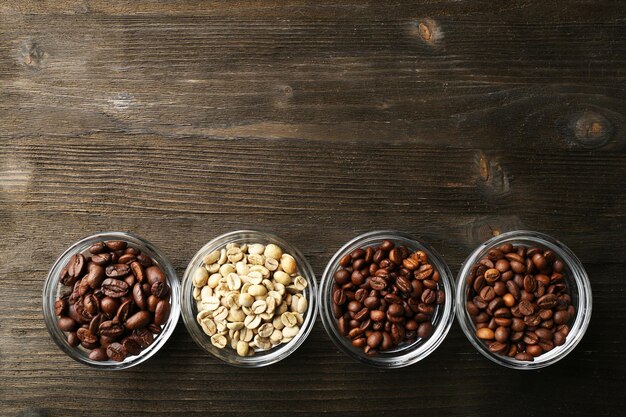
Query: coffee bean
x=140 y=319
x=60 y=306
x=162 y=312
x=117 y=270
x=526 y=308
x=131 y=346
x=492 y=275
x=485 y=333
x=116 y=352
x=111 y=328
x=125 y=311
x=114 y=287
x=66 y=324
x=139 y=297
x=76 y=265
x=342 y=277
x=523 y=356
x=115 y=245
x=94 y=325
x=487 y=293
x=374 y=339
x=101 y=259
x=377 y=283
x=502 y=334
x=561 y=317
x=498 y=347
x=144 y=337
x=377 y=315
x=530 y=283
x=160 y=289
x=84 y=335
x=425 y=330
x=424 y=271
x=98 y=354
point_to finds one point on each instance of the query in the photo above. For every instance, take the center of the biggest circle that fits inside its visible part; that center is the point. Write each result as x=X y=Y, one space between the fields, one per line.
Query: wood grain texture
x=182 y=120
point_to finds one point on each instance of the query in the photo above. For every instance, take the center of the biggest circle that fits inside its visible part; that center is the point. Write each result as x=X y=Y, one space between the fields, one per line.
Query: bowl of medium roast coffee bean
x=111 y=300
x=523 y=300
x=387 y=299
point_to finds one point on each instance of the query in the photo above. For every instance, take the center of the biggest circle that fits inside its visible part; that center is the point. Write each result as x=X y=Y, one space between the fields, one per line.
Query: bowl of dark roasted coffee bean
x=523 y=300
x=387 y=299
x=111 y=300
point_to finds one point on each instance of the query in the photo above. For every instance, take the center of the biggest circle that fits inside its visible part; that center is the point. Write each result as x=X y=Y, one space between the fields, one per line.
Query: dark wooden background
x=315 y=120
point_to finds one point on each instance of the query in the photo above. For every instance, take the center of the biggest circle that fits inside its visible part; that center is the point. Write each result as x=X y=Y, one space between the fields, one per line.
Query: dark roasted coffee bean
x=339 y=297
x=138 y=271
x=404 y=285
x=139 y=297
x=72 y=339
x=97 y=248
x=116 y=245
x=144 y=337
x=94 y=324
x=131 y=346
x=95 y=275
x=139 y=319
x=101 y=259
x=561 y=317
x=98 y=354
x=377 y=315
x=66 y=324
x=425 y=330
x=492 y=275
x=154 y=274
x=429 y=296
x=111 y=329
x=125 y=311
x=153 y=301
x=109 y=305
x=117 y=270
x=162 y=312
x=471 y=308
x=114 y=288
x=76 y=265
x=374 y=339
x=85 y=336
x=91 y=305
x=60 y=307
x=534 y=350
x=126 y=258
x=116 y=352
x=160 y=289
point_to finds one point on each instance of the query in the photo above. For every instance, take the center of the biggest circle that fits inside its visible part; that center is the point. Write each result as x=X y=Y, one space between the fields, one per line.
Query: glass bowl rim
x=264 y=358
x=583 y=288
x=413 y=354
x=52 y=283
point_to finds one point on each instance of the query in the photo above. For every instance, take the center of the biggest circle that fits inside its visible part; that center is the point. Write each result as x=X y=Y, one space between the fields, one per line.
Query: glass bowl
x=53 y=288
x=402 y=355
x=227 y=354
x=575 y=278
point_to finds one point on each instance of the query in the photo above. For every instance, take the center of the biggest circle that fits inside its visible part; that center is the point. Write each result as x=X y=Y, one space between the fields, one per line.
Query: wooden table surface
x=318 y=121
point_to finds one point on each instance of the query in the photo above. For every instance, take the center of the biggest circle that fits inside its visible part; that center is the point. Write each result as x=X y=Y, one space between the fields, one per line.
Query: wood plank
x=365 y=77
x=454 y=198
